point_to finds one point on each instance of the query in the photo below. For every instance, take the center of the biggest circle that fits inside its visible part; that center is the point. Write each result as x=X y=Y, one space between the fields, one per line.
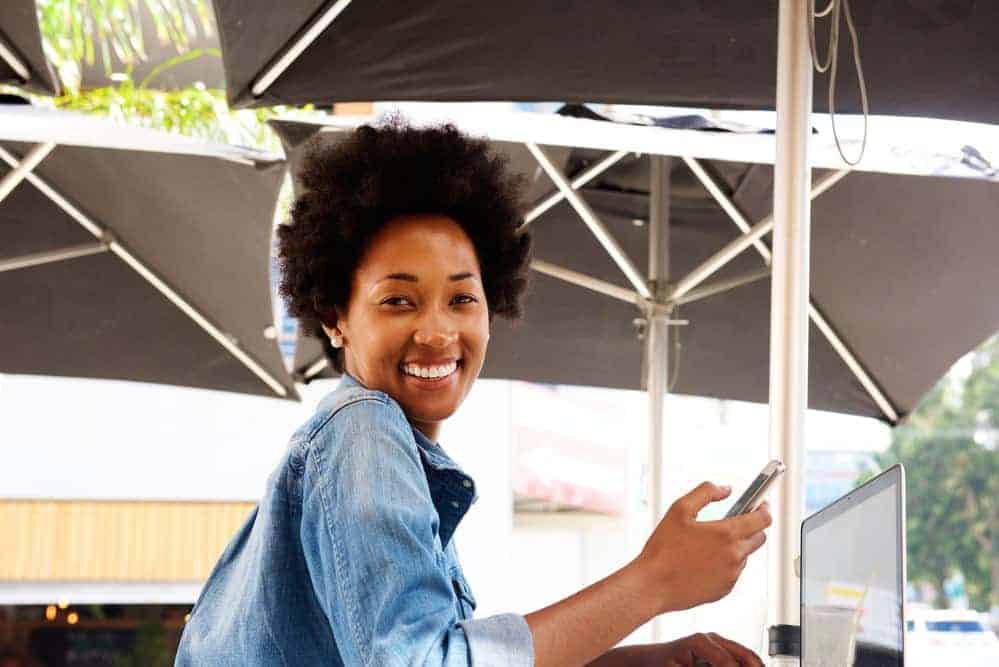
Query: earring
x=336 y=340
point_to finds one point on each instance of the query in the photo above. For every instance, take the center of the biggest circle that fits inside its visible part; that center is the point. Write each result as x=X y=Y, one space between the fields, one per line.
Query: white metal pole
x=789 y=299
x=594 y=223
x=8 y=55
x=576 y=183
x=657 y=337
x=21 y=171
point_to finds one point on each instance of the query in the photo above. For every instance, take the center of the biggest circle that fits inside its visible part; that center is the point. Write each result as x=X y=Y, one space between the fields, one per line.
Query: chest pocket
x=463 y=593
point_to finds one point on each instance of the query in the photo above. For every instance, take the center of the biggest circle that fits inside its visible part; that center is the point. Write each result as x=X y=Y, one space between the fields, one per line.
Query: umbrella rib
x=720 y=286
x=740 y=243
x=583 y=280
x=23 y=167
x=837 y=343
x=49 y=256
x=727 y=204
x=10 y=57
x=106 y=236
x=876 y=393
x=576 y=183
x=598 y=229
x=315 y=368
x=295 y=49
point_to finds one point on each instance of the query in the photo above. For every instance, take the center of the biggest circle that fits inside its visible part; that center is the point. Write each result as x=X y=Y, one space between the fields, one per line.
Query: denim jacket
x=348 y=559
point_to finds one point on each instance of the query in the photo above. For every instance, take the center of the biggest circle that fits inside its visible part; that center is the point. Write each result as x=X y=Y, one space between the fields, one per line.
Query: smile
x=431 y=373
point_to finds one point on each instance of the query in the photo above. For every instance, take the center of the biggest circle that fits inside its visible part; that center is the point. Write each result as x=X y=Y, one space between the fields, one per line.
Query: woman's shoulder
x=352 y=407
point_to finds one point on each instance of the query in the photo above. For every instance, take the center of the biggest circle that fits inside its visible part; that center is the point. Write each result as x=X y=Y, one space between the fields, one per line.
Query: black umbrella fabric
x=929 y=58
x=136 y=255
x=22 y=62
x=900 y=262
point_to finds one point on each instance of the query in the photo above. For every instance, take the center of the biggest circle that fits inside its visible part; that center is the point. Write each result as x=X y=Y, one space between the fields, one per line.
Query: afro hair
x=348 y=189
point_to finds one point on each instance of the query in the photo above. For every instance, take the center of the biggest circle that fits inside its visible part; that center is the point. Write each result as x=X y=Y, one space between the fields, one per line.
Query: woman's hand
x=698 y=650
x=701 y=649
x=690 y=562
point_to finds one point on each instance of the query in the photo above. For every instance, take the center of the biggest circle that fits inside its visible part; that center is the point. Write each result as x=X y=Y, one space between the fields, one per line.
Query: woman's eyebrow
x=409 y=277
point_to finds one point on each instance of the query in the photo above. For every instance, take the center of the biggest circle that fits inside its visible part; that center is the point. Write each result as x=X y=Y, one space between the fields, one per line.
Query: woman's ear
x=331 y=323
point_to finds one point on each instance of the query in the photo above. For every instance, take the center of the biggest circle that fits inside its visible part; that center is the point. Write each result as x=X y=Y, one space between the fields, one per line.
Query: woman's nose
x=435 y=331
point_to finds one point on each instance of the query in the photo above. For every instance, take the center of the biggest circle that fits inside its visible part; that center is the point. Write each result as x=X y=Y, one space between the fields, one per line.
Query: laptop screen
x=853 y=577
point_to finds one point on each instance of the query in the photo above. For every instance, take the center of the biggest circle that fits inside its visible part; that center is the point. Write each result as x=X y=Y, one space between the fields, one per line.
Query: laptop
x=853 y=577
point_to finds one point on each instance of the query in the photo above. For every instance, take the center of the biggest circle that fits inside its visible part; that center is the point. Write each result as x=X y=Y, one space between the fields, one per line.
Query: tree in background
x=75 y=32
x=949 y=449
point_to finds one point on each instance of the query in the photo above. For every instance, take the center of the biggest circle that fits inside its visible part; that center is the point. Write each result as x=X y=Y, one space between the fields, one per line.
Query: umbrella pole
x=789 y=300
x=657 y=337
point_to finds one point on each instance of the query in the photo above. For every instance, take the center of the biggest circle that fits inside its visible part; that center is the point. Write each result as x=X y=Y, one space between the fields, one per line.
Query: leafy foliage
x=948 y=447
x=76 y=31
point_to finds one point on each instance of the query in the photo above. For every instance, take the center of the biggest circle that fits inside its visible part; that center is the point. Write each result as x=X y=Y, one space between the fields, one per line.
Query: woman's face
x=417 y=323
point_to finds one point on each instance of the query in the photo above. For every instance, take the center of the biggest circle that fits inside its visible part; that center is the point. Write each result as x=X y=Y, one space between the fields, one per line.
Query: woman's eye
x=465 y=298
x=395 y=301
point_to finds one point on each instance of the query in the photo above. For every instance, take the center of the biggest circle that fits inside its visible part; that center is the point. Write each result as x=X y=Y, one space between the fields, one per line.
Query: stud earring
x=336 y=340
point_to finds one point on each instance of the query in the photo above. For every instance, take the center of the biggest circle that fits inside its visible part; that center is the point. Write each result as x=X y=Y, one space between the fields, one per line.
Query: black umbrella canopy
x=125 y=249
x=22 y=62
x=900 y=262
x=935 y=58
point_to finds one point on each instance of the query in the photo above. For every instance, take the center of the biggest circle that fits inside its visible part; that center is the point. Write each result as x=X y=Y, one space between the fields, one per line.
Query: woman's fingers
x=706 y=649
x=704 y=494
x=742 y=654
x=753 y=542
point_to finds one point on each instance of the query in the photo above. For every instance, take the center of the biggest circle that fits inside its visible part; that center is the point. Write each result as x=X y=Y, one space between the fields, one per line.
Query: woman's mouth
x=430 y=374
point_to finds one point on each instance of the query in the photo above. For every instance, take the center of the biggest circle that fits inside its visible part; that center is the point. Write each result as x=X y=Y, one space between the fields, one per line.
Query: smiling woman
x=405 y=243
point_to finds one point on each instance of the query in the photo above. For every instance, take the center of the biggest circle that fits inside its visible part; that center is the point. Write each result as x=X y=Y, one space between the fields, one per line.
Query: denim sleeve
x=369 y=531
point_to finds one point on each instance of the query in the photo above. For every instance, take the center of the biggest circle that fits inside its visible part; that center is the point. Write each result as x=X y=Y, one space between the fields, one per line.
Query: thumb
x=702 y=495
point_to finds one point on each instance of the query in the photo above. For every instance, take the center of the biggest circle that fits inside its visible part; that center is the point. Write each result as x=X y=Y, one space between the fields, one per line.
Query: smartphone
x=753 y=496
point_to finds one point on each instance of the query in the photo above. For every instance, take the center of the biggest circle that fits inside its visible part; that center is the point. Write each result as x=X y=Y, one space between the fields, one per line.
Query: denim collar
x=451 y=490
x=433 y=454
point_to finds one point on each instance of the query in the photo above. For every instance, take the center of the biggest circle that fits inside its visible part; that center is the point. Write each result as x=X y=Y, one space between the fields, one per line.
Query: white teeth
x=430 y=371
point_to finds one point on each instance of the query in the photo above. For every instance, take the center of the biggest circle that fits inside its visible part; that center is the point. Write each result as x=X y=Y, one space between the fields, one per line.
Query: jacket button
x=467 y=483
x=454 y=503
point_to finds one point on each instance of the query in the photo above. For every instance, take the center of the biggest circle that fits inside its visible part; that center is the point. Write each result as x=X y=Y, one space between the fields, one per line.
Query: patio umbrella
x=901 y=249
x=935 y=58
x=22 y=62
x=135 y=255
x=874 y=349
x=921 y=58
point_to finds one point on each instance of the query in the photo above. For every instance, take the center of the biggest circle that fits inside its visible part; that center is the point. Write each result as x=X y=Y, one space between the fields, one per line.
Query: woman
x=404 y=244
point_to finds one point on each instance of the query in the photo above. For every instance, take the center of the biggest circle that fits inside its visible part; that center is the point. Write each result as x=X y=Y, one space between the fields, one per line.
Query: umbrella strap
x=837 y=8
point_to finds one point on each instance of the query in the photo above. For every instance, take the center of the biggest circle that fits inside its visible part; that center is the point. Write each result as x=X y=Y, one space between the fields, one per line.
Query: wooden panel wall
x=57 y=540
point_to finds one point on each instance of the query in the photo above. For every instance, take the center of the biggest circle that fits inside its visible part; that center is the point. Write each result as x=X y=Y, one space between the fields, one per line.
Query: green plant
x=76 y=31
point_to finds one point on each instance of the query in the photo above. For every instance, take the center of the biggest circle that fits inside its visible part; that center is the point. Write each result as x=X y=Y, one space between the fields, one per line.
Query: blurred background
x=116 y=498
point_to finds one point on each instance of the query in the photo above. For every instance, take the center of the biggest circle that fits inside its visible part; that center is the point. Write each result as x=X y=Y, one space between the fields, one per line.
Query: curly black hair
x=350 y=188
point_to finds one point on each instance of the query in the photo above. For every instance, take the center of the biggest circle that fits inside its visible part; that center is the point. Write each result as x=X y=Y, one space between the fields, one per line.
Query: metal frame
x=8 y=55
x=597 y=227
x=284 y=60
x=837 y=343
x=576 y=183
x=40 y=258
x=657 y=339
x=23 y=169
